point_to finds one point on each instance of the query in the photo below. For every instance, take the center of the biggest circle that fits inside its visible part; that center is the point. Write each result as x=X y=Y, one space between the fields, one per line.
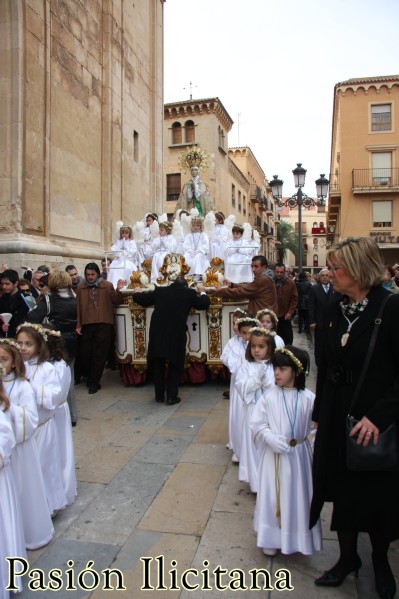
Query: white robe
x=232 y=356
x=162 y=246
x=253 y=378
x=126 y=262
x=293 y=470
x=218 y=242
x=145 y=249
x=46 y=386
x=64 y=428
x=25 y=464
x=12 y=542
x=196 y=248
x=237 y=262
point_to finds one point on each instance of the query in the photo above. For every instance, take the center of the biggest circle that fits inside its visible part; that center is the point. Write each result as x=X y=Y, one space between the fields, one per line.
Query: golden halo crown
x=194 y=156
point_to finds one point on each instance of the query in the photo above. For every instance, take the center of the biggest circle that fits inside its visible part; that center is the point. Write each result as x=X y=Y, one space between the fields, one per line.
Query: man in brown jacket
x=96 y=299
x=287 y=299
x=261 y=293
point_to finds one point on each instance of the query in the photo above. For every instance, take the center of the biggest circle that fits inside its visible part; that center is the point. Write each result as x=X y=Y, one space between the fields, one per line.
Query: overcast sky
x=276 y=63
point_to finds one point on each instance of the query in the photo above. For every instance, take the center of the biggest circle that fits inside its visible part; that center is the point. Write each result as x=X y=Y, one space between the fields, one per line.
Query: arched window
x=321 y=225
x=315 y=260
x=176 y=133
x=190 y=132
x=315 y=225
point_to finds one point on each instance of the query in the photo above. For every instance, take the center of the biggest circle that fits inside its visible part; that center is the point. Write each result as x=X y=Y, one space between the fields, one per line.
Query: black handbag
x=385 y=455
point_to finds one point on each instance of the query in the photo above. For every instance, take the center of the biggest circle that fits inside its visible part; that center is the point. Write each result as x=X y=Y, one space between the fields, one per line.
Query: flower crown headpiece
x=247 y=319
x=289 y=353
x=2 y=370
x=263 y=331
x=239 y=310
x=52 y=333
x=12 y=343
x=39 y=329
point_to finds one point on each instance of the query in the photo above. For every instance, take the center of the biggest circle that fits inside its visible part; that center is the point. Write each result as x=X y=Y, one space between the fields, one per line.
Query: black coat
x=172 y=304
x=318 y=302
x=17 y=306
x=363 y=499
x=62 y=315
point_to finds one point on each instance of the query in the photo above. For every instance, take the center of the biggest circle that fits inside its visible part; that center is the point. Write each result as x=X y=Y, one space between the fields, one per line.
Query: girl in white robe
x=44 y=380
x=145 y=249
x=196 y=249
x=219 y=237
x=125 y=263
x=268 y=320
x=254 y=377
x=25 y=463
x=162 y=245
x=237 y=261
x=12 y=542
x=281 y=427
x=62 y=416
x=232 y=357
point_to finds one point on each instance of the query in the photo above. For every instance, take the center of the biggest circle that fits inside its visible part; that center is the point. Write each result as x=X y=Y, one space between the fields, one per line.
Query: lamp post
x=300 y=199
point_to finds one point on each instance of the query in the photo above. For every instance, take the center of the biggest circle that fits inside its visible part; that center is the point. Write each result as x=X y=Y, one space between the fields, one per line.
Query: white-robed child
x=254 y=377
x=58 y=358
x=282 y=423
x=233 y=361
x=125 y=249
x=162 y=245
x=237 y=257
x=229 y=347
x=219 y=237
x=145 y=249
x=25 y=462
x=196 y=249
x=44 y=380
x=12 y=542
x=268 y=320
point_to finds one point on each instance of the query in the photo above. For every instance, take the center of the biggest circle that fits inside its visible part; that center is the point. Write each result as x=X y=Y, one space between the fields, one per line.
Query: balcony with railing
x=335 y=185
x=255 y=193
x=371 y=180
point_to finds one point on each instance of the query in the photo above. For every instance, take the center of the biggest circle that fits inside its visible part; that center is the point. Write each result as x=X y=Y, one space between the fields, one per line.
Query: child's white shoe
x=234 y=458
x=269 y=552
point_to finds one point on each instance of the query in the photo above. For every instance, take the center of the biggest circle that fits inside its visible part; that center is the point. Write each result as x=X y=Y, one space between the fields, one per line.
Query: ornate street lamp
x=299 y=198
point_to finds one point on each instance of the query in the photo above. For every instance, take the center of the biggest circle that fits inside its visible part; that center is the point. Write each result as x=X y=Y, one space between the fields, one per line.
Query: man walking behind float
x=167 y=338
x=287 y=300
x=96 y=299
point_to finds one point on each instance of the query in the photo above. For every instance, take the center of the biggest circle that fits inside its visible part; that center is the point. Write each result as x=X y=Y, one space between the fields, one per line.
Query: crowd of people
x=58 y=328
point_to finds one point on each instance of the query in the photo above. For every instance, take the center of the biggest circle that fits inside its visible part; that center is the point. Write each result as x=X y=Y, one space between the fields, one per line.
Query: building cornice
x=191 y=108
x=246 y=151
x=235 y=172
x=366 y=83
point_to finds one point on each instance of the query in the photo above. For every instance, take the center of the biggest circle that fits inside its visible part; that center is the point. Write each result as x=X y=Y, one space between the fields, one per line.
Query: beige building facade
x=235 y=179
x=80 y=123
x=364 y=179
x=313 y=236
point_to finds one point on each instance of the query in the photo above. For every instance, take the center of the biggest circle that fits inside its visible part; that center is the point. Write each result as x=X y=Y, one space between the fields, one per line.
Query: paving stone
x=112 y=517
x=202 y=453
x=214 y=429
x=233 y=495
x=181 y=422
x=58 y=555
x=185 y=501
x=180 y=548
x=163 y=449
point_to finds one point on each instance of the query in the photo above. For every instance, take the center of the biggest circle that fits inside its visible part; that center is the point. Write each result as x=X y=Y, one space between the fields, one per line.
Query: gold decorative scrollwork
x=214 y=344
x=215 y=368
x=139 y=344
x=190 y=359
x=214 y=317
x=126 y=360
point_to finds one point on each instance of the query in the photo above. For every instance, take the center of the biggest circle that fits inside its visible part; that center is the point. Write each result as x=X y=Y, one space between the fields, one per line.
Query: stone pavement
x=158 y=481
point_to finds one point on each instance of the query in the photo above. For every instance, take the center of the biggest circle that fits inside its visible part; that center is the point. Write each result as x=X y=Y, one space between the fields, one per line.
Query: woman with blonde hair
x=367 y=500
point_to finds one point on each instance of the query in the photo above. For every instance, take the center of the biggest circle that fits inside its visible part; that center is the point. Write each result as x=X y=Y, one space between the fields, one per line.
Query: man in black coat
x=12 y=301
x=321 y=295
x=167 y=338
